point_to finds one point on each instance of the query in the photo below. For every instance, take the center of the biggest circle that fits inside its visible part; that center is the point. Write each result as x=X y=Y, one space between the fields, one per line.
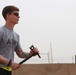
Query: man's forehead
x=15 y=11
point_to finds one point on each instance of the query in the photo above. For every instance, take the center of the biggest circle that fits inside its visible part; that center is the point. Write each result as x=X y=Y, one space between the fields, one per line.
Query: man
x=9 y=42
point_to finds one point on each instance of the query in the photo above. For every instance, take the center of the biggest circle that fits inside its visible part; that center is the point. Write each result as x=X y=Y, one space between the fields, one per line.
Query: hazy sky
x=46 y=21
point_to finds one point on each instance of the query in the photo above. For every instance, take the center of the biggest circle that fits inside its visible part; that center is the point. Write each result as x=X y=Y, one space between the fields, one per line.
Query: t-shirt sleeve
x=18 y=44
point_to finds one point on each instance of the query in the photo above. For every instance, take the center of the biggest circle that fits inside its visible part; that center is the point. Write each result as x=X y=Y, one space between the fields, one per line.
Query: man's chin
x=16 y=23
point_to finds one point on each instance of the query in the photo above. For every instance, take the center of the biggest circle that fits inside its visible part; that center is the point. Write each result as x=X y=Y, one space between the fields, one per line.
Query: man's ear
x=7 y=16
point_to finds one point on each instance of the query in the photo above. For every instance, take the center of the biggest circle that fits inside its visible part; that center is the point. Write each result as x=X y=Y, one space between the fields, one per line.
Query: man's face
x=13 y=17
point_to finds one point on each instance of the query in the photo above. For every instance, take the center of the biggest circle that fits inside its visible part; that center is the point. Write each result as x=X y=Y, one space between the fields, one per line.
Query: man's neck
x=9 y=25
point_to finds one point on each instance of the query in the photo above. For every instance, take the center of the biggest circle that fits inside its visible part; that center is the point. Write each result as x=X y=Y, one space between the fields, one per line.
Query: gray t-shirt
x=9 y=42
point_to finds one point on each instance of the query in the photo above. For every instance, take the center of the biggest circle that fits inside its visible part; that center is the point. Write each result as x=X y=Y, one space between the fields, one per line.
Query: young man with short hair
x=9 y=42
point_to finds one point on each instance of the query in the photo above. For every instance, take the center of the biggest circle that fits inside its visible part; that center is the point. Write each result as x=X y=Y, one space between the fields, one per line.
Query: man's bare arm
x=3 y=60
x=22 y=54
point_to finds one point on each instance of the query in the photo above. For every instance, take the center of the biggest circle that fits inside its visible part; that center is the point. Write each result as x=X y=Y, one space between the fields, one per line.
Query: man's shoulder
x=16 y=33
x=1 y=28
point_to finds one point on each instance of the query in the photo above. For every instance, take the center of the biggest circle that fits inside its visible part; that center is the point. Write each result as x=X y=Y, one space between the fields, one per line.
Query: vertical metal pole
x=48 y=58
x=75 y=58
x=51 y=53
x=72 y=59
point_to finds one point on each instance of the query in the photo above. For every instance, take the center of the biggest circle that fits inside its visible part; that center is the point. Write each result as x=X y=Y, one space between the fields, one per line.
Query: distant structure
x=75 y=58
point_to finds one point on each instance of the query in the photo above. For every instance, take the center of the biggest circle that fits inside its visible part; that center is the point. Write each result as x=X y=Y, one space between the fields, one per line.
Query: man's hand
x=15 y=66
x=34 y=51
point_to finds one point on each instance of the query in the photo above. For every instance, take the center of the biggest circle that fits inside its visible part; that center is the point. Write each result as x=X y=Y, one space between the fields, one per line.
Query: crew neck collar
x=8 y=28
